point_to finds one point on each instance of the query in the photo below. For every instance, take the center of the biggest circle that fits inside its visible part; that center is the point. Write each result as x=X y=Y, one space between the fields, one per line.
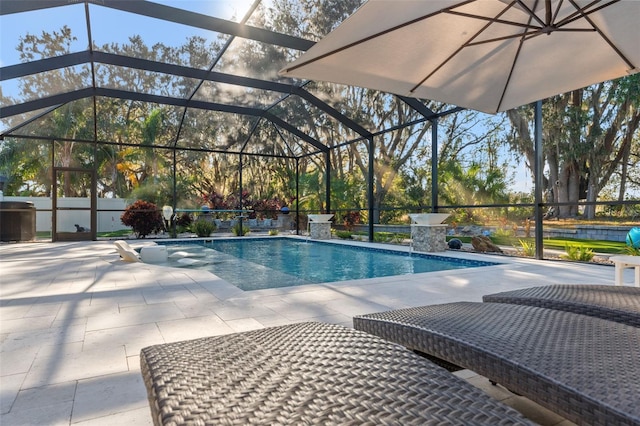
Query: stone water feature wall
x=429 y=238
x=320 y=230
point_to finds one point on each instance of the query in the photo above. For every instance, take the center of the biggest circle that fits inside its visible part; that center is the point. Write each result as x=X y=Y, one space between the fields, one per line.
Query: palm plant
x=579 y=253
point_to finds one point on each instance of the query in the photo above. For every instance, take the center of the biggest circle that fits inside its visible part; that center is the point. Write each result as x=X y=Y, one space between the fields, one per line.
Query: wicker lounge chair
x=586 y=369
x=308 y=373
x=615 y=303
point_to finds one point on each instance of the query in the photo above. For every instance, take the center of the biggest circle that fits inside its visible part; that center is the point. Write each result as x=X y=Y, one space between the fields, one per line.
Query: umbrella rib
x=528 y=35
x=583 y=12
x=531 y=13
x=372 y=36
x=458 y=50
x=557 y=11
x=513 y=66
x=548 y=15
x=604 y=37
x=490 y=20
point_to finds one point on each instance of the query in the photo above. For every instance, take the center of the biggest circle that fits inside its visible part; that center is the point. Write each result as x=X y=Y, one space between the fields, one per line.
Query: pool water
x=261 y=263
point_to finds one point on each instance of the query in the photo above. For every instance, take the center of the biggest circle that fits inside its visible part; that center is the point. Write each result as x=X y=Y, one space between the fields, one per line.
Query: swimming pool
x=260 y=263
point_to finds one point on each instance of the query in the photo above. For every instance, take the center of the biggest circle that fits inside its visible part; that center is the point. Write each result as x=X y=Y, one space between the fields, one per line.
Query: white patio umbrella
x=487 y=55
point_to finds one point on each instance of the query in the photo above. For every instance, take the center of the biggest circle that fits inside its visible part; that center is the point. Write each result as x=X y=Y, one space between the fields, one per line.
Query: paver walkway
x=73 y=318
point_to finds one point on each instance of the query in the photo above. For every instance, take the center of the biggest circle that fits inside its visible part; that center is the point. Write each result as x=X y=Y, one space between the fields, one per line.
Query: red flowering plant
x=237 y=203
x=350 y=219
x=262 y=208
x=267 y=208
x=144 y=217
x=216 y=201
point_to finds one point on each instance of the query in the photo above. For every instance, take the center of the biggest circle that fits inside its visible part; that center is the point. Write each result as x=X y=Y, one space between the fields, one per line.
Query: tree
x=68 y=122
x=588 y=137
x=144 y=217
x=471 y=171
x=27 y=167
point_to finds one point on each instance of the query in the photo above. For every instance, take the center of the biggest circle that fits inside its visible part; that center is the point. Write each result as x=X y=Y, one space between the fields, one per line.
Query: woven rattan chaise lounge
x=586 y=369
x=308 y=373
x=614 y=303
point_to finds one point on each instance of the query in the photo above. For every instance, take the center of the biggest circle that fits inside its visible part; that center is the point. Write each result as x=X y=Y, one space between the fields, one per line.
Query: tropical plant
x=144 y=217
x=266 y=208
x=350 y=219
x=344 y=235
x=632 y=251
x=183 y=222
x=273 y=232
x=399 y=238
x=382 y=237
x=203 y=227
x=504 y=232
x=631 y=248
x=240 y=230
x=580 y=253
x=527 y=248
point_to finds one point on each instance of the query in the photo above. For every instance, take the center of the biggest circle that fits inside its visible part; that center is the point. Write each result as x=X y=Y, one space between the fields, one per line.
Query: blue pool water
x=260 y=263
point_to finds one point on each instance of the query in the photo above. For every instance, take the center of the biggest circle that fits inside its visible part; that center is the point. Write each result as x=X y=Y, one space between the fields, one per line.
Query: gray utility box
x=17 y=221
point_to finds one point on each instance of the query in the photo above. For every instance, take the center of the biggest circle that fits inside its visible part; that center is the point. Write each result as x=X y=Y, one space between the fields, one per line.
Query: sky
x=108 y=26
x=112 y=25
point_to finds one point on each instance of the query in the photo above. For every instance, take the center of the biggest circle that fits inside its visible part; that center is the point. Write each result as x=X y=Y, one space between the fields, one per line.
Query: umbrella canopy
x=488 y=55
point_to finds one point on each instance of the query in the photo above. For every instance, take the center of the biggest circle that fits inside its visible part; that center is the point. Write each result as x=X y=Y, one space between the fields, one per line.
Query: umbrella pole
x=538 y=172
x=370 y=187
x=434 y=166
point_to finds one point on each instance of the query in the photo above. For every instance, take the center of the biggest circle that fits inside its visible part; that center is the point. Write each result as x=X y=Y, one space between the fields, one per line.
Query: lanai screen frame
x=233 y=29
x=91 y=57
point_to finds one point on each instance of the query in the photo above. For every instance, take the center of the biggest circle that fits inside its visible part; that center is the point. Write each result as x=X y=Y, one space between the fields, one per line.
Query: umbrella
x=487 y=55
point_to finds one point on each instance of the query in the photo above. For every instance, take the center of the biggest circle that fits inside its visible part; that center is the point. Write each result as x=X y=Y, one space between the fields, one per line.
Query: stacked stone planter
x=428 y=234
x=429 y=238
x=320 y=226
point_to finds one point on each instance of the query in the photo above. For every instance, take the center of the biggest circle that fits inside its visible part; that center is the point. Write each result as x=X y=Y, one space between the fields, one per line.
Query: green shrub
x=183 y=222
x=398 y=238
x=344 y=235
x=143 y=217
x=273 y=232
x=387 y=237
x=504 y=232
x=203 y=227
x=527 y=248
x=381 y=237
x=630 y=249
x=580 y=253
x=240 y=230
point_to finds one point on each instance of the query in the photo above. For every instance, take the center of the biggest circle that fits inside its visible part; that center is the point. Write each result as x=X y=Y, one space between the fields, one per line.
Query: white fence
x=108 y=216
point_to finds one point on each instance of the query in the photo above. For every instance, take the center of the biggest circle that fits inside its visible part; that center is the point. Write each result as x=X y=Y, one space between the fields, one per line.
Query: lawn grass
x=112 y=234
x=43 y=235
x=598 y=246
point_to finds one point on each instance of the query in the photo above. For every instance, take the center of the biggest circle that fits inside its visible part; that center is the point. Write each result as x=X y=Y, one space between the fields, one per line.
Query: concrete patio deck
x=73 y=318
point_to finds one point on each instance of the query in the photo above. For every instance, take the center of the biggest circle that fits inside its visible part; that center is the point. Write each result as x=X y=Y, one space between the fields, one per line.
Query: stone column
x=285 y=222
x=320 y=230
x=429 y=238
